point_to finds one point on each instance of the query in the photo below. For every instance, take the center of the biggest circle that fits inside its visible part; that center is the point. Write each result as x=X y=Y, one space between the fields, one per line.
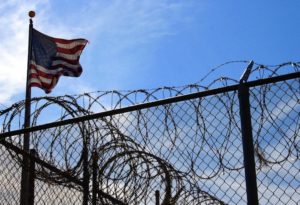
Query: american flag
x=52 y=58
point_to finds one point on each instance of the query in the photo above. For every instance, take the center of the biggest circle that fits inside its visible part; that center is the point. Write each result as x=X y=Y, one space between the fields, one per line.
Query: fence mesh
x=186 y=152
x=276 y=120
x=10 y=175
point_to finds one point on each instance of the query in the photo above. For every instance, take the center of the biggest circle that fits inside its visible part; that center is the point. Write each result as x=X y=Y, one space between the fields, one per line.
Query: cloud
x=135 y=21
x=14 y=44
x=123 y=36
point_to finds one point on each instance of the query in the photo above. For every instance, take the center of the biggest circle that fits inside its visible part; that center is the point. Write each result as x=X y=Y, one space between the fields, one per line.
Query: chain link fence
x=187 y=149
x=276 y=120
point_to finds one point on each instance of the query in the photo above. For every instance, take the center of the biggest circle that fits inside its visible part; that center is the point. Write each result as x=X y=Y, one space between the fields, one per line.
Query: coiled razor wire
x=170 y=147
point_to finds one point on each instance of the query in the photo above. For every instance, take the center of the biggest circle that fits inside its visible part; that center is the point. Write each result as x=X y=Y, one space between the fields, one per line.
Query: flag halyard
x=52 y=58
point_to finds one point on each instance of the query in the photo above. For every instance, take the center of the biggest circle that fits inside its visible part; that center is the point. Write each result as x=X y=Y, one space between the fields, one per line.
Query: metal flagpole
x=26 y=140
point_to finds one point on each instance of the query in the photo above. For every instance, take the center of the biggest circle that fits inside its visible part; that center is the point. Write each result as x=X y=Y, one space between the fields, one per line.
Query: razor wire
x=133 y=161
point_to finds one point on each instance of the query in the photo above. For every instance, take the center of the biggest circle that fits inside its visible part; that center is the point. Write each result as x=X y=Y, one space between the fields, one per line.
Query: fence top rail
x=151 y=104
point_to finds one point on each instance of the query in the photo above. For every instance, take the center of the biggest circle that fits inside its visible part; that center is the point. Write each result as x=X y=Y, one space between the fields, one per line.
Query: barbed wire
x=170 y=147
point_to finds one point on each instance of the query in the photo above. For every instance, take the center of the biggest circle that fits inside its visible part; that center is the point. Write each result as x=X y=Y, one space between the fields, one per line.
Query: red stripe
x=50 y=77
x=66 y=70
x=35 y=85
x=40 y=73
x=47 y=85
x=72 y=50
x=73 y=62
x=65 y=41
x=37 y=76
x=42 y=86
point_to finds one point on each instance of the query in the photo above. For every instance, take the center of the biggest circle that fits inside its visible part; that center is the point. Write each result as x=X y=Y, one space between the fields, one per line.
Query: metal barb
x=246 y=74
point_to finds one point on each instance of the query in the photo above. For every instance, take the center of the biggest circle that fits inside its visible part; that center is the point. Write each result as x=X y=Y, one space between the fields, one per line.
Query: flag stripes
x=53 y=57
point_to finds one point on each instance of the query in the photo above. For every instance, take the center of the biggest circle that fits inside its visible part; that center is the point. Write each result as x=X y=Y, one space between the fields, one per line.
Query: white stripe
x=40 y=80
x=57 y=62
x=35 y=80
x=51 y=72
x=69 y=56
x=44 y=80
x=44 y=70
x=33 y=71
x=71 y=45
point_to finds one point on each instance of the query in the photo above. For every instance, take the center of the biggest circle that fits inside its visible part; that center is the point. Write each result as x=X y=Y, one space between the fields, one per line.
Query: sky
x=135 y=44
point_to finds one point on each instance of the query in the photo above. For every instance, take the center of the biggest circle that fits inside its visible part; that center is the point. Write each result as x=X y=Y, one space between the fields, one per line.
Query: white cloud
x=14 y=44
x=124 y=36
x=122 y=26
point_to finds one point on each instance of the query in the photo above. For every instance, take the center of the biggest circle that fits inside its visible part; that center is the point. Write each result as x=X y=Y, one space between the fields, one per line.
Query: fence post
x=157 y=197
x=86 y=175
x=31 y=177
x=247 y=138
x=24 y=181
x=95 y=175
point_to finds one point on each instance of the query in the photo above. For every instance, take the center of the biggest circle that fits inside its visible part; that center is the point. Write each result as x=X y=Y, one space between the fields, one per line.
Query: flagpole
x=28 y=88
x=26 y=139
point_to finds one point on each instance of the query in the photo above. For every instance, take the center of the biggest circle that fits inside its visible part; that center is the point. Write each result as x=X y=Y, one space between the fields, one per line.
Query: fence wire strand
x=190 y=151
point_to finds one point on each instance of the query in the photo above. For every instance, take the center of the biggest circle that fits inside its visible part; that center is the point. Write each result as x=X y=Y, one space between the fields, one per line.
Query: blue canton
x=43 y=49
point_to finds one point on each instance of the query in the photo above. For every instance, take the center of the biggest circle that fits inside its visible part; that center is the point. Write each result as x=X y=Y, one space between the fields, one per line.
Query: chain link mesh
x=189 y=151
x=276 y=117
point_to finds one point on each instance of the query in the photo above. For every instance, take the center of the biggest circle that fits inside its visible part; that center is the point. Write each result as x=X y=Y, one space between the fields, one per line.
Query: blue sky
x=148 y=43
x=138 y=44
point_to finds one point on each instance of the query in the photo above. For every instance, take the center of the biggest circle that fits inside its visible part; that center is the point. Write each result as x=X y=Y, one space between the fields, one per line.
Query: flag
x=51 y=58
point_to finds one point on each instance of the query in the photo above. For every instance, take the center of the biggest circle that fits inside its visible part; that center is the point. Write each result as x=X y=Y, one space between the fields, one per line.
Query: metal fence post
x=86 y=175
x=31 y=177
x=157 y=197
x=95 y=181
x=24 y=181
x=247 y=138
